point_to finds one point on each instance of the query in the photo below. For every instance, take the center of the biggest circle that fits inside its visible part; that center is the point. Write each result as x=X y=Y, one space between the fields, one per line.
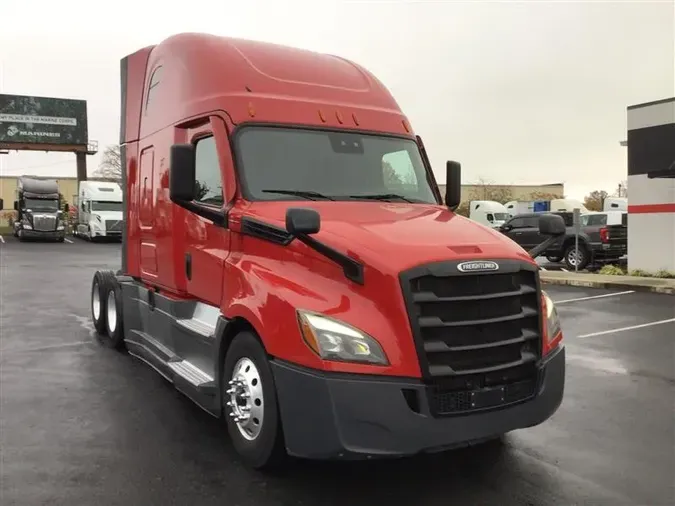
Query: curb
x=668 y=290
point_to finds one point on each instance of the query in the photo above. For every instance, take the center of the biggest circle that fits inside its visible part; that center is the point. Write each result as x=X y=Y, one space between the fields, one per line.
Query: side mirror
x=301 y=221
x=551 y=224
x=506 y=227
x=16 y=205
x=453 y=185
x=182 y=173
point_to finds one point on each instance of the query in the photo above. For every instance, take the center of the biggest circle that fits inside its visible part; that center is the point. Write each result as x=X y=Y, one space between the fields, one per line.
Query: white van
x=99 y=210
x=488 y=212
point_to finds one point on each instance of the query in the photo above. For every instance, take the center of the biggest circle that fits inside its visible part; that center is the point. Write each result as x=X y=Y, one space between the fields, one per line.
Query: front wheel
x=554 y=259
x=250 y=403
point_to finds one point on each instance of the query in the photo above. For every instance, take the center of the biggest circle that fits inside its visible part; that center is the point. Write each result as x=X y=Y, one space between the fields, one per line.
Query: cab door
x=207 y=245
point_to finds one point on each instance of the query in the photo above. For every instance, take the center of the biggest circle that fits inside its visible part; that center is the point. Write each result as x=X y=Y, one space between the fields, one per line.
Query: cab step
x=191 y=373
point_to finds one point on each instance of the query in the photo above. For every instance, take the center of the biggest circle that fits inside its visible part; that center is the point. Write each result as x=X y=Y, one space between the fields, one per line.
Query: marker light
x=552 y=329
x=337 y=341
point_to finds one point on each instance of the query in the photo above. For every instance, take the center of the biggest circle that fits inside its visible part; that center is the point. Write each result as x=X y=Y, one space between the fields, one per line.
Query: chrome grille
x=475 y=331
x=44 y=223
x=113 y=226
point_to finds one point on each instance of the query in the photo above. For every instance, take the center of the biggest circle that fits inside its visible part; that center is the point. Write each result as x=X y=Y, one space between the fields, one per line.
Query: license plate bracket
x=487 y=397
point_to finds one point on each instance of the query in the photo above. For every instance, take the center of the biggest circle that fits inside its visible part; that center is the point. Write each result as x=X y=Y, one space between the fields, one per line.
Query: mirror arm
x=539 y=249
x=217 y=216
x=352 y=269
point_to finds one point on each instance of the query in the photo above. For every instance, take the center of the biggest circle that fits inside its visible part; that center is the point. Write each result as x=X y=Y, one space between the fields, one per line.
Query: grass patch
x=615 y=270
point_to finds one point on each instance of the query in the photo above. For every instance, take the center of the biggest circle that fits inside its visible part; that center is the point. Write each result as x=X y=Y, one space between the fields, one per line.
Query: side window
x=531 y=222
x=209 y=186
x=597 y=219
x=152 y=87
x=517 y=223
x=398 y=171
x=584 y=219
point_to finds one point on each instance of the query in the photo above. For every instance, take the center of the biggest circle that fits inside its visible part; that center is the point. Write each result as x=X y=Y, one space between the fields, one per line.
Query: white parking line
x=594 y=297
x=2 y=239
x=563 y=269
x=68 y=241
x=543 y=268
x=623 y=329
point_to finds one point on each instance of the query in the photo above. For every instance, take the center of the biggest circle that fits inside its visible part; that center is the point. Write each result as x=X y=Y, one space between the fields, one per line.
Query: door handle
x=518 y=233
x=188 y=266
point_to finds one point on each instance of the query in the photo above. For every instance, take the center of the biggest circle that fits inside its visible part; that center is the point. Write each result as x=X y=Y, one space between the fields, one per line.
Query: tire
x=114 y=323
x=99 y=289
x=61 y=239
x=261 y=445
x=570 y=256
x=554 y=259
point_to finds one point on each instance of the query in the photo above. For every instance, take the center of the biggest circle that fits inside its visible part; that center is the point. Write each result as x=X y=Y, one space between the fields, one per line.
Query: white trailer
x=99 y=210
x=488 y=212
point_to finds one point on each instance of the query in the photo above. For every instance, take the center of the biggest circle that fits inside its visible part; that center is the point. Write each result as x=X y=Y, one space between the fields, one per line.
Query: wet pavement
x=82 y=425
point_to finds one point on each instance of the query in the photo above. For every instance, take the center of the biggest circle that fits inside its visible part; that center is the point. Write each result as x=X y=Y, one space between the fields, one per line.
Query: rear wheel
x=250 y=404
x=554 y=259
x=577 y=259
x=114 y=324
x=99 y=291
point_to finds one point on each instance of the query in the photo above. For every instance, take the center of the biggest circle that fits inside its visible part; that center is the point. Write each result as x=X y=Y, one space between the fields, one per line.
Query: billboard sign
x=42 y=120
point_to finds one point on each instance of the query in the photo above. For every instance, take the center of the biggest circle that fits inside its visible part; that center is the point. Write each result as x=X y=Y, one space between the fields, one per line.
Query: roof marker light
x=405 y=125
x=323 y=118
x=251 y=109
x=338 y=116
x=356 y=120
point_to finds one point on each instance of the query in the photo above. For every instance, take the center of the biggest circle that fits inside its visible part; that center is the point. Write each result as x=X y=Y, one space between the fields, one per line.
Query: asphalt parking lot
x=83 y=425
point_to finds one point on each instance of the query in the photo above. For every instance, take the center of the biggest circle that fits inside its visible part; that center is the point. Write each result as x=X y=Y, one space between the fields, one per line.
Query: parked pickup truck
x=598 y=241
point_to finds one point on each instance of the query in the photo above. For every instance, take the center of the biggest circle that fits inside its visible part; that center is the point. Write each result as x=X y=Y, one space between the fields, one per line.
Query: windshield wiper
x=383 y=196
x=301 y=193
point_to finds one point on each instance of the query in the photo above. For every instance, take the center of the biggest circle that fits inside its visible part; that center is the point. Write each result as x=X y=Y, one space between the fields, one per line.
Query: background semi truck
x=289 y=264
x=99 y=210
x=38 y=213
x=488 y=212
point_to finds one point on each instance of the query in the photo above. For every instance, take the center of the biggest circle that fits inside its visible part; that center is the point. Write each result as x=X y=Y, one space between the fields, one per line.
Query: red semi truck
x=289 y=264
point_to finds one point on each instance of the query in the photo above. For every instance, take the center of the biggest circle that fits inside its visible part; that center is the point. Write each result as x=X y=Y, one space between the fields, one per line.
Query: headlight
x=334 y=340
x=552 y=323
x=26 y=224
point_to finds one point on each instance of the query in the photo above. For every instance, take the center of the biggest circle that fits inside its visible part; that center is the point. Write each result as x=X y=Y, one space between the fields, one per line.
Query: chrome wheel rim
x=575 y=257
x=112 y=311
x=96 y=302
x=246 y=402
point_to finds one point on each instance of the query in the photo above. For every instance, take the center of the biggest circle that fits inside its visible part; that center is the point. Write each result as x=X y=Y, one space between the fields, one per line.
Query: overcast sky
x=518 y=92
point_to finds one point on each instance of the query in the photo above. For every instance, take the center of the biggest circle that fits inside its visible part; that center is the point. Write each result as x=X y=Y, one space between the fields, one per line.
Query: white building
x=651 y=184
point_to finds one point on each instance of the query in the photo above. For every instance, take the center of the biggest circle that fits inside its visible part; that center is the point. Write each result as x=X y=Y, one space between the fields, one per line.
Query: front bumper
x=39 y=234
x=356 y=417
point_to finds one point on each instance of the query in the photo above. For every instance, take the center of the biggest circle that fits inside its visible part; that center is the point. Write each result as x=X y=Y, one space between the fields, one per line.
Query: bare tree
x=111 y=163
x=621 y=189
x=595 y=200
x=485 y=190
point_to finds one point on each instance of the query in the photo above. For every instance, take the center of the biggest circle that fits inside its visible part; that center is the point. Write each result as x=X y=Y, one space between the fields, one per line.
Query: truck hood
x=397 y=236
x=108 y=215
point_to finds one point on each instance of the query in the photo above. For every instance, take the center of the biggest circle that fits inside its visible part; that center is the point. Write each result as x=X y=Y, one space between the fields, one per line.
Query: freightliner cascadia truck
x=289 y=264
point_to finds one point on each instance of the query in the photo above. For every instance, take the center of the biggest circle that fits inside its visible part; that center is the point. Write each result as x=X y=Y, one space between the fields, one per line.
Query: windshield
x=48 y=205
x=104 y=205
x=502 y=216
x=292 y=164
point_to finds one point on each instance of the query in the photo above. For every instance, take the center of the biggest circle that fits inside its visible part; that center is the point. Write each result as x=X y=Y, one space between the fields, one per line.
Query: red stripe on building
x=651 y=208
